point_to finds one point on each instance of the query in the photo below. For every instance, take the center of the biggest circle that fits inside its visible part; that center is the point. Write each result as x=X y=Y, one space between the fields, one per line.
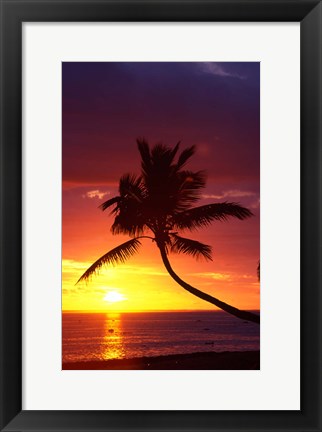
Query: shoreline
x=209 y=360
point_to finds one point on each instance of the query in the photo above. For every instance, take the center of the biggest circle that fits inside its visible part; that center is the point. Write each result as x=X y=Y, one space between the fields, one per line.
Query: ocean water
x=103 y=336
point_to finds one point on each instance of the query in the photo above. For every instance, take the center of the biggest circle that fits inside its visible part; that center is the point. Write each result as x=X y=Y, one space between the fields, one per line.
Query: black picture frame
x=13 y=14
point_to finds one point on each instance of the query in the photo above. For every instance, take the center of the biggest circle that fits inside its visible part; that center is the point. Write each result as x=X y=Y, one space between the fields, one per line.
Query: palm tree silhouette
x=160 y=201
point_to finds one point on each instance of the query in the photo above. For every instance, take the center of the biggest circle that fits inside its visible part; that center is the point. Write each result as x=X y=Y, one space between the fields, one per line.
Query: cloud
x=232 y=193
x=96 y=194
x=247 y=276
x=226 y=277
x=148 y=271
x=216 y=276
x=255 y=204
x=218 y=70
x=71 y=267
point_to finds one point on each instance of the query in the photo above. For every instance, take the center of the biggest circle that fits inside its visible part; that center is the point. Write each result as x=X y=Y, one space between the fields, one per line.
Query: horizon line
x=149 y=311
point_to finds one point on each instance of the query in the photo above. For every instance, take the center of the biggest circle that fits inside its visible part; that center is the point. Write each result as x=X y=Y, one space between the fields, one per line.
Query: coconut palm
x=156 y=205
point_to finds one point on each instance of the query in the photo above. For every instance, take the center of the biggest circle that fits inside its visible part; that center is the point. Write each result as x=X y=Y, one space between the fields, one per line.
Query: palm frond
x=109 y=203
x=144 y=150
x=115 y=256
x=190 y=247
x=162 y=156
x=131 y=186
x=128 y=222
x=190 y=185
x=202 y=216
x=175 y=150
x=185 y=155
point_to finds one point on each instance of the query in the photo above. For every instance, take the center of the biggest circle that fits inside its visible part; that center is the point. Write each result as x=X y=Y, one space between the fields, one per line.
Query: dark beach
x=238 y=360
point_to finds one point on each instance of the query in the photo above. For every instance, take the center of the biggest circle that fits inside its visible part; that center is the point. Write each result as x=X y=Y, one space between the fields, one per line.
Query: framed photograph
x=161 y=215
x=131 y=315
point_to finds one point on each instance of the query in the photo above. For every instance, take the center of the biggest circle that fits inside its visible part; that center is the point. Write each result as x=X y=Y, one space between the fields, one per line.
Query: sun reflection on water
x=113 y=345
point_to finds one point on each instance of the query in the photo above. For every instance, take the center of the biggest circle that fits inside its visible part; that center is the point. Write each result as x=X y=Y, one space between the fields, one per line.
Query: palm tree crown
x=159 y=203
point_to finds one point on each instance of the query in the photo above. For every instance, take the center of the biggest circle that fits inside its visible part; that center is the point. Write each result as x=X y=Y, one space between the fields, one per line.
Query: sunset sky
x=106 y=106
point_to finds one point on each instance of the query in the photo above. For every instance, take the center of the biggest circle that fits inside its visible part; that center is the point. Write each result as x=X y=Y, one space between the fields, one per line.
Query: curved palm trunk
x=224 y=306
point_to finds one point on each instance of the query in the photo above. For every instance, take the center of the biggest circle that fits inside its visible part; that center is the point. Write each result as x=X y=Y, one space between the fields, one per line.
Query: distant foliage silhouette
x=157 y=204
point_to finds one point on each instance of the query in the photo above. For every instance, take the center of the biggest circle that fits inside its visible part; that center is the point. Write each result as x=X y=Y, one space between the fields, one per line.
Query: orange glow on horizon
x=144 y=285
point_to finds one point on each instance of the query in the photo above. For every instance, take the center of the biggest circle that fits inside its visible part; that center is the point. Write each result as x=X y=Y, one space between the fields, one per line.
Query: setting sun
x=114 y=296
